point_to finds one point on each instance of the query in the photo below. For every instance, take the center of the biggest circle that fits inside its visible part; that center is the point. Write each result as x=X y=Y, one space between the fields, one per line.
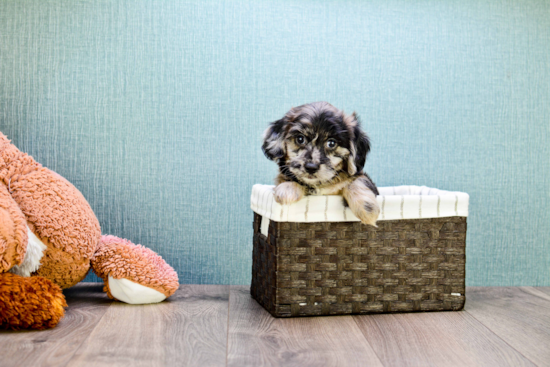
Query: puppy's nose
x=311 y=167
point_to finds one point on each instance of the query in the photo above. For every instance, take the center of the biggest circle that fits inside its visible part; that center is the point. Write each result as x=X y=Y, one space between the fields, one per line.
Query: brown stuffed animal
x=49 y=239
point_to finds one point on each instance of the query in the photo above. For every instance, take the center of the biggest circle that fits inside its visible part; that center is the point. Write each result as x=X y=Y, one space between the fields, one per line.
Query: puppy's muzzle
x=311 y=167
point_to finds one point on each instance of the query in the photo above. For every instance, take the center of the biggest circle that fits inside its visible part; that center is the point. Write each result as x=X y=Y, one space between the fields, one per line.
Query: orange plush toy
x=49 y=239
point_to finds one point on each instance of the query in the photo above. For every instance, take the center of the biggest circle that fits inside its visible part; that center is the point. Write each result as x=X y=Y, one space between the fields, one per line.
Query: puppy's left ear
x=360 y=147
x=273 y=146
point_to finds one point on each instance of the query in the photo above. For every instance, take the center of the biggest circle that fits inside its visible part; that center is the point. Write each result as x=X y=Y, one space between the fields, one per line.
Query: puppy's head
x=315 y=143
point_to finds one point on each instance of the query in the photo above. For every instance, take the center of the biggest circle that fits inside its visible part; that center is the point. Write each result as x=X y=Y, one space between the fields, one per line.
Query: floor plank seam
x=88 y=336
x=498 y=336
x=366 y=340
x=536 y=293
x=228 y=318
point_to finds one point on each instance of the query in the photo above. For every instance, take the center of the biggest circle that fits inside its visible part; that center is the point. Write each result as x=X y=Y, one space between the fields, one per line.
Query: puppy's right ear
x=273 y=146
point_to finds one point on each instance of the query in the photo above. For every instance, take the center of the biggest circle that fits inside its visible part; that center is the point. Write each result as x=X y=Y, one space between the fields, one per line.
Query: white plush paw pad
x=136 y=294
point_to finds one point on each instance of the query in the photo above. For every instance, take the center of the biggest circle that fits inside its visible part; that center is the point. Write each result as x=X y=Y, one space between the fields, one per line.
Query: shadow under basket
x=346 y=267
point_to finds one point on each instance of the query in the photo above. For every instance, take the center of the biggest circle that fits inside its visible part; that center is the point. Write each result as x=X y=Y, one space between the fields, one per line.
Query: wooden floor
x=211 y=325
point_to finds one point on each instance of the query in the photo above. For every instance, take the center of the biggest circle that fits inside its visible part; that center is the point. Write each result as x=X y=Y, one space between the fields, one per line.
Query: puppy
x=321 y=150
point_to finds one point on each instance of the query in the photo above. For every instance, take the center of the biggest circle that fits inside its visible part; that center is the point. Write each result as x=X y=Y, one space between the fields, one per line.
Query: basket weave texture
x=339 y=268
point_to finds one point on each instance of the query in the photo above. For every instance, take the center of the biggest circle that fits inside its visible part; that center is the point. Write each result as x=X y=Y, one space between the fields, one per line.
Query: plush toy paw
x=29 y=302
x=133 y=273
x=288 y=192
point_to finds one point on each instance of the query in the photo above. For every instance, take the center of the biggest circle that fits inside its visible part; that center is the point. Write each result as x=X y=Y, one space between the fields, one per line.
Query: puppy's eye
x=331 y=144
x=300 y=140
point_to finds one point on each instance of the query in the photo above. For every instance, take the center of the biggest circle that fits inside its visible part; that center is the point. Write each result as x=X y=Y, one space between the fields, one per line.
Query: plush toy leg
x=13 y=231
x=29 y=302
x=133 y=273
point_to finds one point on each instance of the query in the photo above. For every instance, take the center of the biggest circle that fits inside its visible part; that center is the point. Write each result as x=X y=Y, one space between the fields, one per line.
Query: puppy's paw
x=362 y=202
x=288 y=192
x=366 y=211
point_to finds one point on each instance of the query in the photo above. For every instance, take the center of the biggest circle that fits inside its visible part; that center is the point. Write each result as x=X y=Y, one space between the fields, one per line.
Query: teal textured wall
x=155 y=111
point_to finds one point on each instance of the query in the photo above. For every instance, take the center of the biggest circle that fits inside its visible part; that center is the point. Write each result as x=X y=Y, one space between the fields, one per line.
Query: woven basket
x=338 y=268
